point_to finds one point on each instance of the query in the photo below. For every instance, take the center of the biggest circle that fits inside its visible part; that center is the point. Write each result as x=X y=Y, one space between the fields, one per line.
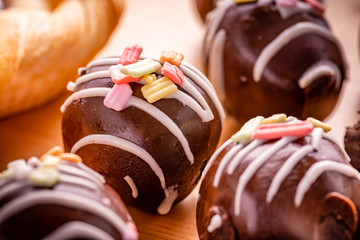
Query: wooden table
x=173 y=24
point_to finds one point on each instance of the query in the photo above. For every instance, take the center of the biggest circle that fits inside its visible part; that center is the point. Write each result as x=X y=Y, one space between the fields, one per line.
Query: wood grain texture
x=172 y=24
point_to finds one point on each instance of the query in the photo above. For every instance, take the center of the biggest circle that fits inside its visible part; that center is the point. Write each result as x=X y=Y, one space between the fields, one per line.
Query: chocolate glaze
x=352 y=144
x=329 y=209
x=90 y=116
x=39 y=220
x=205 y=6
x=251 y=27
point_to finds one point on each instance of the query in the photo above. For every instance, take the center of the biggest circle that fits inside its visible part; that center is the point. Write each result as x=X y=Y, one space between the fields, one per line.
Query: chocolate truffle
x=265 y=57
x=280 y=178
x=204 y=7
x=150 y=134
x=58 y=197
x=352 y=144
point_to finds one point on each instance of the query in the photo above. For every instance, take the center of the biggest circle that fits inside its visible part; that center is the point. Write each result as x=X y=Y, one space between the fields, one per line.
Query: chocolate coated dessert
x=58 y=197
x=150 y=134
x=280 y=178
x=205 y=6
x=265 y=57
x=352 y=144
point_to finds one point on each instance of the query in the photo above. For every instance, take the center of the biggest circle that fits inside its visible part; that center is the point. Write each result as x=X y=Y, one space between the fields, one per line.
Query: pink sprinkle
x=287 y=3
x=130 y=55
x=119 y=78
x=278 y=130
x=173 y=73
x=118 y=97
x=316 y=5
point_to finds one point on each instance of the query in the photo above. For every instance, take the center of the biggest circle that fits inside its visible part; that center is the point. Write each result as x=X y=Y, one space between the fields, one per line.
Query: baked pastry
x=352 y=144
x=259 y=53
x=58 y=197
x=42 y=43
x=280 y=178
x=150 y=134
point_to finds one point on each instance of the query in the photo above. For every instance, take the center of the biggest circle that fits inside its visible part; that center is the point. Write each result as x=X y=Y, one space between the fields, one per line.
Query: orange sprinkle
x=171 y=57
x=71 y=157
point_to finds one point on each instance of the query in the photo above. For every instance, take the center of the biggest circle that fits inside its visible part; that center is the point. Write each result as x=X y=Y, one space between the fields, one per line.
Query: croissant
x=43 y=42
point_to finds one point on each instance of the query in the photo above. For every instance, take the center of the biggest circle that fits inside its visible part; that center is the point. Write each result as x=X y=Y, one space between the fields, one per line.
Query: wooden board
x=164 y=24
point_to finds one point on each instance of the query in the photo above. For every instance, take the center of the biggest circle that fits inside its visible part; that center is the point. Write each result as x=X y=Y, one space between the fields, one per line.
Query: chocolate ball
x=152 y=154
x=59 y=198
x=264 y=57
x=352 y=144
x=284 y=180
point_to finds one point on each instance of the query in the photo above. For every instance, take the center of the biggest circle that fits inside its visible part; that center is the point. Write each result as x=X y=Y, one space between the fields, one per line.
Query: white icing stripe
x=167 y=203
x=315 y=171
x=226 y=159
x=316 y=137
x=76 y=229
x=12 y=188
x=132 y=186
x=215 y=155
x=84 y=183
x=331 y=139
x=254 y=166
x=188 y=70
x=125 y=145
x=103 y=61
x=216 y=63
x=287 y=12
x=236 y=161
x=203 y=83
x=142 y=105
x=92 y=172
x=286 y=169
x=186 y=100
x=214 y=19
x=85 y=93
x=284 y=38
x=318 y=69
x=65 y=199
x=215 y=223
x=72 y=170
x=86 y=78
x=165 y=120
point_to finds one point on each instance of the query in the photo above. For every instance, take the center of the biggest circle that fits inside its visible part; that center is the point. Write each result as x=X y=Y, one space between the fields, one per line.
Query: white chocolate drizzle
x=86 y=78
x=142 y=105
x=254 y=166
x=124 y=145
x=216 y=63
x=318 y=69
x=284 y=38
x=132 y=185
x=168 y=201
x=287 y=12
x=76 y=229
x=215 y=155
x=286 y=169
x=215 y=223
x=315 y=171
x=65 y=199
x=232 y=159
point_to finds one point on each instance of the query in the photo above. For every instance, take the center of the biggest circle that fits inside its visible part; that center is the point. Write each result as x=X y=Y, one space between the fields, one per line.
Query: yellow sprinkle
x=6 y=174
x=50 y=160
x=245 y=133
x=149 y=78
x=244 y=1
x=55 y=151
x=276 y=118
x=44 y=177
x=71 y=157
x=158 y=89
x=320 y=124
